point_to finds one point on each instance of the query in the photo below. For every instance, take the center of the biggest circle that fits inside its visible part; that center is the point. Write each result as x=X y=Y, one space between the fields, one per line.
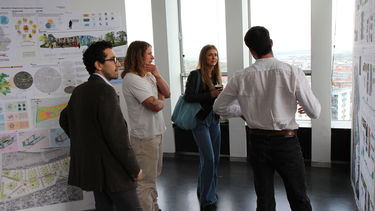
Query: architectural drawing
x=35 y=179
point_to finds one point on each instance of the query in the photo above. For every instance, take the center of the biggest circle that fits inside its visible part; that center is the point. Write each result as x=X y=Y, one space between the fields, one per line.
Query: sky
x=205 y=24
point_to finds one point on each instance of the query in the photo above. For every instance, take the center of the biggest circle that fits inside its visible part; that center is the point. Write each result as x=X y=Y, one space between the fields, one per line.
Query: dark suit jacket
x=101 y=158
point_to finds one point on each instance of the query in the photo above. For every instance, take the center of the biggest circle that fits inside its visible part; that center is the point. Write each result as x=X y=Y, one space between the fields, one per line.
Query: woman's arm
x=162 y=85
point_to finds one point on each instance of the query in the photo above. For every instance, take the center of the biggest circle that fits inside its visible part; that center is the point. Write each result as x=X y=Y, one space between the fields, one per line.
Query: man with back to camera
x=101 y=158
x=265 y=94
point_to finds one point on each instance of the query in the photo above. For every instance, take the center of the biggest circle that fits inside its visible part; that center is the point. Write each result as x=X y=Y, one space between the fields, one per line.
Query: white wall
x=167 y=57
x=321 y=69
x=237 y=59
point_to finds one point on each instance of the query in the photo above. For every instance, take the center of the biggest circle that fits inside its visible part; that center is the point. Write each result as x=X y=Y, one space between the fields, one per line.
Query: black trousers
x=117 y=201
x=281 y=154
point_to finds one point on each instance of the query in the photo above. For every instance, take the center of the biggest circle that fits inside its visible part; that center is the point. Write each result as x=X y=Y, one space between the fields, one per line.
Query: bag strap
x=198 y=82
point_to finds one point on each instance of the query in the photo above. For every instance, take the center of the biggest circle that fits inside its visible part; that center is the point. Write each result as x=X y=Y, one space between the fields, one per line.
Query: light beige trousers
x=149 y=155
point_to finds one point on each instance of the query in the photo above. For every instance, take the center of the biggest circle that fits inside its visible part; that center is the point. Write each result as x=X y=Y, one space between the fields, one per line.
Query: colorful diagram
x=4 y=84
x=5 y=141
x=46 y=111
x=49 y=112
x=4 y=20
x=50 y=24
x=16 y=107
x=118 y=38
x=8 y=143
x=16 y=116
x=26 y=28
x=50 y=41
x=33 y=141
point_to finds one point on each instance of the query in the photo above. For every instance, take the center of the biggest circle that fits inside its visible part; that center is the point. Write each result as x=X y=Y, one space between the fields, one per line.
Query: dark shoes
x=209 y=207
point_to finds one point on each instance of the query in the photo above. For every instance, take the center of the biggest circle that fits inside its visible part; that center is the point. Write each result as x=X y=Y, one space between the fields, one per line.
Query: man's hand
x=140 y=175
x=300 y=110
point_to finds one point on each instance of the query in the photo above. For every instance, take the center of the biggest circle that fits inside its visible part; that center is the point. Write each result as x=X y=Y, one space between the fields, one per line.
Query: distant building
x=341 y=104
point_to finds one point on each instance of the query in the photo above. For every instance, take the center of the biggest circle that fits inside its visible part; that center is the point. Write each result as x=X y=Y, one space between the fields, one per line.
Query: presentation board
x=363 y=130
x=41 y=46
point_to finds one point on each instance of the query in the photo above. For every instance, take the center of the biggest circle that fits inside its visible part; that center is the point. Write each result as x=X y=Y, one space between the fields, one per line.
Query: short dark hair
x=95 y=52
x=258 y=40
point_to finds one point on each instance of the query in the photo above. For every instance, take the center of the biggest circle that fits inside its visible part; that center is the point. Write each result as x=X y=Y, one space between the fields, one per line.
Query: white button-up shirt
x=266 y=95
x=103 y=79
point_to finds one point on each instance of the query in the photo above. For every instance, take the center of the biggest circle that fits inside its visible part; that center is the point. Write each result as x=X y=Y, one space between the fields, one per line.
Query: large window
x=139 y=20
x=343 y=23
x=202 y=23
x=289 y=24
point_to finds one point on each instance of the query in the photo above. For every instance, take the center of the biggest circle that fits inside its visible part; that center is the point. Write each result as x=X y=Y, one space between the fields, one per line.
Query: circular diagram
x=23 y=80
x=69 y=89
x=47 y=79
x=26 y=28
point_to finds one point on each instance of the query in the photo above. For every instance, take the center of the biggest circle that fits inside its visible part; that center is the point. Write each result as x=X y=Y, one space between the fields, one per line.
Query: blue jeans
x=208 y=137
x=281 y=154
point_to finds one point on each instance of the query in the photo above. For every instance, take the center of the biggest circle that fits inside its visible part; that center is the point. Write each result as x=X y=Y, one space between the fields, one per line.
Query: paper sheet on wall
x=41 y=46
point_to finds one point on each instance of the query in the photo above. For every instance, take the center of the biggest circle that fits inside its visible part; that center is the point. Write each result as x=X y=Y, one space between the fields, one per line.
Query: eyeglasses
x=114 y=59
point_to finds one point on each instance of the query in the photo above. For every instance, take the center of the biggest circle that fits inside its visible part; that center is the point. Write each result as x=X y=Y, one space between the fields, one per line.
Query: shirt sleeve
x=306 y=97
x=139 y=88
x=226 y=104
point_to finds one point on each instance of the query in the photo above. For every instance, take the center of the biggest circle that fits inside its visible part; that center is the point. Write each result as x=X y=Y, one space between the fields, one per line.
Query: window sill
x=337 y=124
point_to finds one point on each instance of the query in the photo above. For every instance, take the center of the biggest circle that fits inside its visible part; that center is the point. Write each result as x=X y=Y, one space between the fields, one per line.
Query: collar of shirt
x=103 y=78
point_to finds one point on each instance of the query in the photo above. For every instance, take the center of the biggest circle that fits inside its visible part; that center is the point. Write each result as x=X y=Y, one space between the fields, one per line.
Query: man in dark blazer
x=101 y=158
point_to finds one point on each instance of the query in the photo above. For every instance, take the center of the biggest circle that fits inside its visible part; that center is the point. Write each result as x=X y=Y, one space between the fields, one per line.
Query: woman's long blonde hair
x=135 y=58
x=204 y=67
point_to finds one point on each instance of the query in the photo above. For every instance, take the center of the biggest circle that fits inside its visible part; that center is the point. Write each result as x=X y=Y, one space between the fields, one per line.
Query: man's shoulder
x=94 y=86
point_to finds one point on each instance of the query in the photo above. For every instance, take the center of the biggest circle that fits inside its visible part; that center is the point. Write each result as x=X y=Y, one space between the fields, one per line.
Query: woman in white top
x=144 y=90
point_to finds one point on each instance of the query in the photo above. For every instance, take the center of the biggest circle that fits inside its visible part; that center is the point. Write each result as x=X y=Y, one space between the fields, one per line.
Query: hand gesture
x=153 y=69
x=216 y=92
x=140 y=176
x=300 y=109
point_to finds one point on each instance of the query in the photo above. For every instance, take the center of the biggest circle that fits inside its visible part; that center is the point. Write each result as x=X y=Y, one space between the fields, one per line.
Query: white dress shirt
x=265 y=94
x=103 y=79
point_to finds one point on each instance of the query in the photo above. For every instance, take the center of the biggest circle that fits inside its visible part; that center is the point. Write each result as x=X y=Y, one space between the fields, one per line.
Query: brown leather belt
x=272 y=132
